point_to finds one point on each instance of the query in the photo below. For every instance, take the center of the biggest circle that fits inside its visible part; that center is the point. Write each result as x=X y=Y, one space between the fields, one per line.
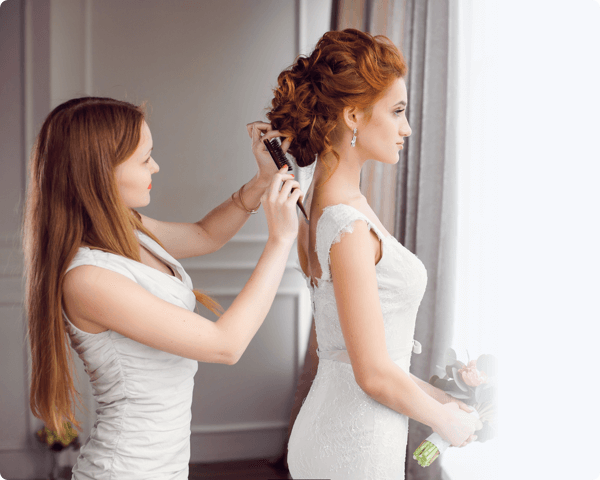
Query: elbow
x=373 y=383
x=231 y=357
x=373 y=387
x=376 y=378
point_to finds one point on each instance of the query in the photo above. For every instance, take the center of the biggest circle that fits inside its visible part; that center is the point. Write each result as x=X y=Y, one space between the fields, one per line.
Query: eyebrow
x=400 y=103
x=150 y=150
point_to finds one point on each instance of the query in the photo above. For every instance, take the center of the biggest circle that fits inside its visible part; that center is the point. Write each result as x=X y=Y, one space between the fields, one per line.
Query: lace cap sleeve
x=334 y=222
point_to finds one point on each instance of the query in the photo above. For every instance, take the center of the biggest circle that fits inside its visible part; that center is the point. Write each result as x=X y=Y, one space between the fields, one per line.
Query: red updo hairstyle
x=347 y=68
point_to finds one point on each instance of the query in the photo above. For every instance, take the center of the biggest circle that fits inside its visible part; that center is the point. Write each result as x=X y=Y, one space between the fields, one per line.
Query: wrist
x=439 y=419
x=260 y=182
x=443 y=397
x=278 y=241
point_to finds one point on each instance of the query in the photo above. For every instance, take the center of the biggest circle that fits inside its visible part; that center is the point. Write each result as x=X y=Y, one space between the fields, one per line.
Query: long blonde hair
x=72 y=199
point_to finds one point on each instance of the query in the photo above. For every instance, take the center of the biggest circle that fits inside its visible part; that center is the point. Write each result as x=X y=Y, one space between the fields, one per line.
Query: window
x=528 y=102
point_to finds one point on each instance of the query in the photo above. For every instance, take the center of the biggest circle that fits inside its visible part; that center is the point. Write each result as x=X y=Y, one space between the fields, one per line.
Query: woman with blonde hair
x=341 y=106
x=107 y=278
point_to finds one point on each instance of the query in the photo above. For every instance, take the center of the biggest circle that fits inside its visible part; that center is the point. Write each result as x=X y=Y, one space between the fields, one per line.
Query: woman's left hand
x=446 y=398
x=462 y=406
x=258 y=132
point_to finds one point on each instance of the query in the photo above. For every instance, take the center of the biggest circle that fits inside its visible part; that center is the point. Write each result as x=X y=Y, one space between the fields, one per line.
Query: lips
x=150 y=187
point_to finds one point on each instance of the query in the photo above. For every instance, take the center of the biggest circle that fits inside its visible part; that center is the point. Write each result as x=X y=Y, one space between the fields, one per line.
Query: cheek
x=130 y=181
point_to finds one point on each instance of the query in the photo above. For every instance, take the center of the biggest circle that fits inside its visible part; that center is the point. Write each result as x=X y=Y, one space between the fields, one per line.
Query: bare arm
x=440 y=395
x=113 y=301
x=361 y=320
x=104 y=298
x=183 y=240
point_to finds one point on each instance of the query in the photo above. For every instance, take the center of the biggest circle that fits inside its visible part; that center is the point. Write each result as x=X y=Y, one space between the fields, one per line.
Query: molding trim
x=239 y=427
x=282 y=291
x=200 y=265
x=242 y=252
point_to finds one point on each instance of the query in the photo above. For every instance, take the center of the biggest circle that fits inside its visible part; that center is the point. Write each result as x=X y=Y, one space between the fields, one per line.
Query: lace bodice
x=401 y=281
x=341 y=432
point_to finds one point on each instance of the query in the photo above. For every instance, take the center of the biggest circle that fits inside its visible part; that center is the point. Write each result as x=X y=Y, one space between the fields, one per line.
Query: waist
x=341 y=355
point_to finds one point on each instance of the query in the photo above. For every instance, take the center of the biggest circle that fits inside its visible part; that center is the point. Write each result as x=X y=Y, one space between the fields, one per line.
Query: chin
x=391 y=160
x=139 y=204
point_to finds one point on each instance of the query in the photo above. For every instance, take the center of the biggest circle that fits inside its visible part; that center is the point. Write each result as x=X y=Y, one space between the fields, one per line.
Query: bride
x=341 y=106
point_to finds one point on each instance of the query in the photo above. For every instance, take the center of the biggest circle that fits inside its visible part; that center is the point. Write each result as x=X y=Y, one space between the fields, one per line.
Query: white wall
x=206 y=69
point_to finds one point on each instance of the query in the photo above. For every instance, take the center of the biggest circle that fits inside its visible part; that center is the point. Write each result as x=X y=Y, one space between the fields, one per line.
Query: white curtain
x=529 y=232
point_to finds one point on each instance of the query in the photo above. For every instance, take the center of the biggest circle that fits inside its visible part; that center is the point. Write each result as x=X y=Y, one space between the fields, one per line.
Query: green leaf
x=450 y=356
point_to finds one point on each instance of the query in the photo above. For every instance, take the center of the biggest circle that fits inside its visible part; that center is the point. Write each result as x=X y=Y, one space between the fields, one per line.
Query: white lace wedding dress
x=341 y=433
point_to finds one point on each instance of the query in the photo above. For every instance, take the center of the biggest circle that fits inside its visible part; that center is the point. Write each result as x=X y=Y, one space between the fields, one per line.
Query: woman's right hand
x=279 y=203
x=457 y=426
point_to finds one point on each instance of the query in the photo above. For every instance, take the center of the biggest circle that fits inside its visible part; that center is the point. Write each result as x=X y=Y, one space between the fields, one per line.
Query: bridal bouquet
x=475 y=384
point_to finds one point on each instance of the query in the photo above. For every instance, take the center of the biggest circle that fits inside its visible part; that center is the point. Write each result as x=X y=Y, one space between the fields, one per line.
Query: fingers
x=287 y=187
x=465 y=407
x=258 y=127
x=281 y=187
x=275 y=186
x=471 y=439
x=260 y=131
x=296 y=195
x=286 y=144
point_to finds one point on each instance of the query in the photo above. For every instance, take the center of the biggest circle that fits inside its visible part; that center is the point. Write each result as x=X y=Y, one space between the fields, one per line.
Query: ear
x=352 y=116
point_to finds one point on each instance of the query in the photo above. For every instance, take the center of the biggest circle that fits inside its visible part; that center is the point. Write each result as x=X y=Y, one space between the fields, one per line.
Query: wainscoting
x=183 y=58
x=242 y=411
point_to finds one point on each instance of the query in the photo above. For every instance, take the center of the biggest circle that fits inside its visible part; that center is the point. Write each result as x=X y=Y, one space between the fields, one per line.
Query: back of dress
x=341 y=432
x=144 y=395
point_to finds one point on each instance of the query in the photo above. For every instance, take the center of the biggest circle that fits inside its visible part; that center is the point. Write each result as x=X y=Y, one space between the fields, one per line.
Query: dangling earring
x=353 y=141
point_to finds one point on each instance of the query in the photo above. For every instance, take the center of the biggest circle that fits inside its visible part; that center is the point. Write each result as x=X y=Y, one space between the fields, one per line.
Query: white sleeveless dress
x=144 y=395
x=341 y=433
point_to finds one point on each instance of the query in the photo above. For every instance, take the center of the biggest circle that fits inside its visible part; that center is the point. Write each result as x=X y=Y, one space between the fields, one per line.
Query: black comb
x=280 y=160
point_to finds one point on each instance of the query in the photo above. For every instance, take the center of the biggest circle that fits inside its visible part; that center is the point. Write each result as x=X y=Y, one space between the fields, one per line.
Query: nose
x=155 y=167
x=405 y=129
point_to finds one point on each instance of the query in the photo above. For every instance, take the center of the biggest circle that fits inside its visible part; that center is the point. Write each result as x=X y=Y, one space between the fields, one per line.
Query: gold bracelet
x=242 y=201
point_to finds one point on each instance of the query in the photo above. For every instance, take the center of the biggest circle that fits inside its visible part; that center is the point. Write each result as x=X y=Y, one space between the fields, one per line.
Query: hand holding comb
x=280 y=160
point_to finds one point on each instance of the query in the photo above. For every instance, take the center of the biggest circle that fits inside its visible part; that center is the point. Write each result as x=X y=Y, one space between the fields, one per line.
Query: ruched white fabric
x=144 y=395
x=341 y=433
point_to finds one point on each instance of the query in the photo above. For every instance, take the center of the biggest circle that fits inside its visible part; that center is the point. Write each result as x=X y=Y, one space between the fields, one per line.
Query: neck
x=346 y=171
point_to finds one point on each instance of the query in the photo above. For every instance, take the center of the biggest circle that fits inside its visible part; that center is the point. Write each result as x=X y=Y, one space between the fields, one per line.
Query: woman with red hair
x=108 y=278
x=341 y=106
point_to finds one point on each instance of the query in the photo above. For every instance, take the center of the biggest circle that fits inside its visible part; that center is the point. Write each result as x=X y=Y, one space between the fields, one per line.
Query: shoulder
x=106 y=260
x=94 y=276
x=346 y=236
x=89 y=289
x=338 y=215
x=342 y=218
x=92 y=271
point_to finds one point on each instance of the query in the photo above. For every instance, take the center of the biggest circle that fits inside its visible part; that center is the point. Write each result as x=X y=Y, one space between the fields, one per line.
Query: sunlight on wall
x=529 y=174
